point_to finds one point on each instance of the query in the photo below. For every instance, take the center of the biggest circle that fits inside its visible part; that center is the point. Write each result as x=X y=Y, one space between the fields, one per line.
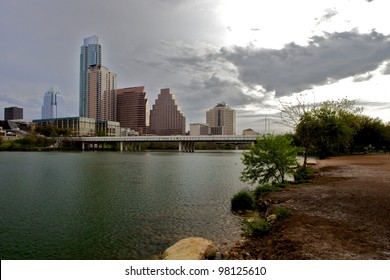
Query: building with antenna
x=97 y=83
x=90 y=56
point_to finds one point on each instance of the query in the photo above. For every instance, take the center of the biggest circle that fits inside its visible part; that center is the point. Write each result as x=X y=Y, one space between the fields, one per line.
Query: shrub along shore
x=259 y=213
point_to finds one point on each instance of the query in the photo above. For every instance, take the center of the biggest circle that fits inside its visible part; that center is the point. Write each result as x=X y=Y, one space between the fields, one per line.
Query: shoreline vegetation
x=259 y=214
x=336 y=214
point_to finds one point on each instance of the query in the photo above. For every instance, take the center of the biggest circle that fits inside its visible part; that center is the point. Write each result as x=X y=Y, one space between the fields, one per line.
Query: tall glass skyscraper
x=52 y=104
x=90 y=56
x=97 y=83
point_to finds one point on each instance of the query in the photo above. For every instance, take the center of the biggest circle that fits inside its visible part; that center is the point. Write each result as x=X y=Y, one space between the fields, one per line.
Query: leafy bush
x=303 y=174
x=242 y=201
x=282 y=212
x=257 y=228
x=270 y=159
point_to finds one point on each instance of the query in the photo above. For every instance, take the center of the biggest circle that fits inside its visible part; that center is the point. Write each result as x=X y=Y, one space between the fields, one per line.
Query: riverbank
x=344 y=213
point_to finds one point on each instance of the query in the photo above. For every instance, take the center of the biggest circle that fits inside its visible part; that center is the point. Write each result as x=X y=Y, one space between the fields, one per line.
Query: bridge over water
x=186 y=143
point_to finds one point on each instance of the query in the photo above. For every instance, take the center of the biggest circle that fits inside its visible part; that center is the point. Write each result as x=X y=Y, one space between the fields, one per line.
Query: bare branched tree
x=291 y=114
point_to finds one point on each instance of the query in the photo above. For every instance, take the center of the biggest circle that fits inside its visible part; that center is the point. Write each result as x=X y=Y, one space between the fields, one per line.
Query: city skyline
x=251 y=54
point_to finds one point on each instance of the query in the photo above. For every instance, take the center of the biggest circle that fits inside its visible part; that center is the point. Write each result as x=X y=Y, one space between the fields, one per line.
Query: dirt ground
x=344 y=213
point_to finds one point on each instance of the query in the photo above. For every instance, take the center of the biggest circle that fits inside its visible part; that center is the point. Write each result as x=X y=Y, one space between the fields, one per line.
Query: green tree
x=328 y=128
x=372 y=132
x=331 y=130
x=269 y=160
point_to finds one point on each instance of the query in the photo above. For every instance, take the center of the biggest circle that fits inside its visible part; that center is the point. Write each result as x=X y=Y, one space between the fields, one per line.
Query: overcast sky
x=249 y=53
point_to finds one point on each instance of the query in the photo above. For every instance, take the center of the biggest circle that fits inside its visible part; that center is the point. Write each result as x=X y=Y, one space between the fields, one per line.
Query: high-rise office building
x=101 y=94
x=97 y=83
x=133 y=109
x=52 y=104
x=13 y=113
x=221 y=120
x=90 y=56
x=165 y=117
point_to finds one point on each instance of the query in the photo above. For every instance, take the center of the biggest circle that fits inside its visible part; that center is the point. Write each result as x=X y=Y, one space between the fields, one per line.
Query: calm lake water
x=113 y=205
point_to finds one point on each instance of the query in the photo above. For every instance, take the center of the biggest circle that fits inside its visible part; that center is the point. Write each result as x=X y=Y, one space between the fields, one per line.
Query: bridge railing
x=178 y=138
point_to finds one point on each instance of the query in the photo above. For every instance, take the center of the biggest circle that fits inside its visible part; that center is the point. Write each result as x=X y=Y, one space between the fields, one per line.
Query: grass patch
x=304 y=174
x=282 y=212
x=256 y=228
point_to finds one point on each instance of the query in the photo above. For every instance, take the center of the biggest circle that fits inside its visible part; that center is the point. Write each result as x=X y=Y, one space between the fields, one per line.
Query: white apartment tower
x=221 y=120
x=52 y=104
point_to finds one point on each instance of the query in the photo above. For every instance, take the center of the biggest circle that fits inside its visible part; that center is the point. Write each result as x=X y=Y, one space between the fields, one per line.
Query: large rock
x=193 y=248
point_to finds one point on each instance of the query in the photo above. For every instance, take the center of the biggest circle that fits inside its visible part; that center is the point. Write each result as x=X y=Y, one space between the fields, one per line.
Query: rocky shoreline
x=342 y=214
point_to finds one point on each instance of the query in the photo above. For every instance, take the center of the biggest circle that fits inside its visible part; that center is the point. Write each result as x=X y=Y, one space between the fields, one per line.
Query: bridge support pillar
x=188 y=147
x=82 y=146
x=121 y=146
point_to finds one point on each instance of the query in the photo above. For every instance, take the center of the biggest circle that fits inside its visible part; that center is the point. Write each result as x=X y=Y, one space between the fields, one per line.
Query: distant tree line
x=31 y=142
x=335 y=127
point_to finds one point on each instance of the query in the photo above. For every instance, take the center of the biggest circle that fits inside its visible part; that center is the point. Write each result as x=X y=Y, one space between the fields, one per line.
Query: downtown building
x=133 y=109
x=165 y=116
x=101 y=93
x=52 y=104
x=13 y=113
x=81 y=126
x=221 y=120
x=97 y=83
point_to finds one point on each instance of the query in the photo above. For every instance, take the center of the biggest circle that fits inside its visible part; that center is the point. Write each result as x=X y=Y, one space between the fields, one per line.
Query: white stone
x=193 y=248
x=272 y=218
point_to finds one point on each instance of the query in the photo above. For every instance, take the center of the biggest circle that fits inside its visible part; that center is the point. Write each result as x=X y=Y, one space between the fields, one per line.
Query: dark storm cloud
x=296 y=68
x=202 y=75
x=166 y=43
x=201 y=78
